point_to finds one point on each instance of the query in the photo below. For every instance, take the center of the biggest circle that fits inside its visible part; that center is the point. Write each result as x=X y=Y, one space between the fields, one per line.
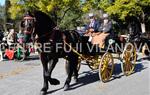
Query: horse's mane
x=43 y=22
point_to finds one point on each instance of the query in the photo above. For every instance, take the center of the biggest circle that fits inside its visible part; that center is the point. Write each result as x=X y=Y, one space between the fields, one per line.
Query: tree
x=7 y=14
x=2 y=11
x=124 y=9
x=1 y=17
x=60 y=10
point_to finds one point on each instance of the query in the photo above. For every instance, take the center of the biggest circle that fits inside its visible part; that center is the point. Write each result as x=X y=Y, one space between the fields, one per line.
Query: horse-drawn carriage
x=102 y=59
x=44 y=28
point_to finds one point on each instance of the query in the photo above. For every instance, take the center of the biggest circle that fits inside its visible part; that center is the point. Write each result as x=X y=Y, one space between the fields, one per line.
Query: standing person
x=20 y=37
x=11 y=37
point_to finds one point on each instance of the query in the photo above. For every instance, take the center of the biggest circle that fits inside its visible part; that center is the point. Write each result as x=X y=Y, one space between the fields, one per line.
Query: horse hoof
x=54 y=81
x=66 y=87
x=43 y=91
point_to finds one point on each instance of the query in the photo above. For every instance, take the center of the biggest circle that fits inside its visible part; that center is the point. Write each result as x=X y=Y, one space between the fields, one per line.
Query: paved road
x=25 y=78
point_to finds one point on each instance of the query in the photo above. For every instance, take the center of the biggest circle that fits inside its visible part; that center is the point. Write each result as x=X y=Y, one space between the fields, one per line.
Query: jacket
x=96 y=26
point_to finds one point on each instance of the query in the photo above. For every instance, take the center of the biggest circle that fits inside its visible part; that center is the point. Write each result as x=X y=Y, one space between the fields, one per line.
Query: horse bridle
x=33 y=32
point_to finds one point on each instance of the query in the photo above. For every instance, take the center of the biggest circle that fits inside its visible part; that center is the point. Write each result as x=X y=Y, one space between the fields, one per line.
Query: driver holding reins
x=93 y=26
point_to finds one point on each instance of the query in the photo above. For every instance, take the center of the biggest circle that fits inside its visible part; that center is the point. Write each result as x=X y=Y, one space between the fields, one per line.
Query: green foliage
x=124 y=8
x=70 y=13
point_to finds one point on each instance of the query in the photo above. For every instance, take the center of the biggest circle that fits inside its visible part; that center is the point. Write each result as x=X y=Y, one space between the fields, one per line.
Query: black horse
x=44 y=31
x=136 y=36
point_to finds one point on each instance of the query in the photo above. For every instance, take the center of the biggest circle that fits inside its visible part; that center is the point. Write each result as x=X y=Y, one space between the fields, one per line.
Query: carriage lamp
x=111 y=41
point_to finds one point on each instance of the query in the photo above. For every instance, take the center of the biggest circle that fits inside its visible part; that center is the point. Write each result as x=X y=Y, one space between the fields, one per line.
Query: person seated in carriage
x=103 y=33
x=90 y=28
x=106 y=31
x=93 y=26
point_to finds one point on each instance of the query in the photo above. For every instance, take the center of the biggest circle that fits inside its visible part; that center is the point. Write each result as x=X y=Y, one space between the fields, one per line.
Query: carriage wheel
x=129 y=57
x=106 y=67
x=78 y=66
x=94 y=61
x=20 y=54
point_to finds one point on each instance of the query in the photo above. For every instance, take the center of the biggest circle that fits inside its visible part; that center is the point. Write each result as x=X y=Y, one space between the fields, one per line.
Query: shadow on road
x=52 y=91
x=139 y=67
x=117 y=70
x=91 y=77
x=144 y=58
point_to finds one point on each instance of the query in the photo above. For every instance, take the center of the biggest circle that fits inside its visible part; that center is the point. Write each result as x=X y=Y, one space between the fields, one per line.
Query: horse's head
x=27 y=25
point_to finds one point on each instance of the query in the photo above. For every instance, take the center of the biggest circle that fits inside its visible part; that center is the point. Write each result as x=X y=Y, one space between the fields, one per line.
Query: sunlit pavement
x=25 y=78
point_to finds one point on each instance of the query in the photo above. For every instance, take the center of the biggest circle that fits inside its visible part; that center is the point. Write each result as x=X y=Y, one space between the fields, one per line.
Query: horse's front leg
x=52 y=64
x=44 y=61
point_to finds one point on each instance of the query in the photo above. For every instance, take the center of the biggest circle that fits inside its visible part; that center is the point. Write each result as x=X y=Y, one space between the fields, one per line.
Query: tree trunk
x=143 y=28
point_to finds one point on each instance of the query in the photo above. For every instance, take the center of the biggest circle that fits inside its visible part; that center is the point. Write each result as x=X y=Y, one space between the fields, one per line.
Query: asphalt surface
x=25 y=78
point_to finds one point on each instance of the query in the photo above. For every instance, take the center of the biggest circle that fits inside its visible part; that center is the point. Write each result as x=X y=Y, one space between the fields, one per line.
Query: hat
x=105 y=16
x=91 y=14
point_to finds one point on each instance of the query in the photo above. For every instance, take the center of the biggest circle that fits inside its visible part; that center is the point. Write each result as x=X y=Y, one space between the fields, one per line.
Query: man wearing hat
x=94 y=25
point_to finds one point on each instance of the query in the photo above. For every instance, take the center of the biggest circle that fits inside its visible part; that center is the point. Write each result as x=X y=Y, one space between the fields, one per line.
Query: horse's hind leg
x=75 y=71
x=52 y=64
x=44 y=61
x=72 y=68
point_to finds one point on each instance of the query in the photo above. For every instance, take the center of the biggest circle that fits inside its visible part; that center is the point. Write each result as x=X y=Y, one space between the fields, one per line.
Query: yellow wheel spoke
x=103 y=75
x=106 y=67
x=110 y=68
x=109 y=73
